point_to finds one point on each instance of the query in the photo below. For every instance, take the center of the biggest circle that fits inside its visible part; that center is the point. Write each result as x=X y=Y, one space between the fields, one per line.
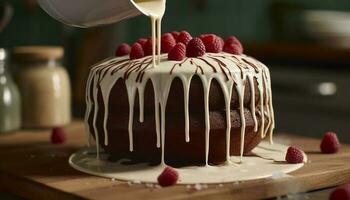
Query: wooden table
x=33 y=168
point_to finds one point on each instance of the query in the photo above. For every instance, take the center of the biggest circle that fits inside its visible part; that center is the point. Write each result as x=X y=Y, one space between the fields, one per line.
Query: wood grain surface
x=33 y=168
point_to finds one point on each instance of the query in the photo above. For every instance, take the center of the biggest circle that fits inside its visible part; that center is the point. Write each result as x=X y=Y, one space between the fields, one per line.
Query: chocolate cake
x=197 y=111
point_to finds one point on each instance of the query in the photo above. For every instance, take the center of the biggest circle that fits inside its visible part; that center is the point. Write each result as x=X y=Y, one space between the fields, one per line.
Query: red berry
x=58 y=136
x=168 y=42
x=147 y=47
x=168 y=177
x=184 y=37
x=175 y=34
x=233 y=49
x=195 y=48
x=221 y=41
x=330 y=143
x=294 y=155
x=142 y=41
x=233 y=46
x=136 y=51
x=123 y=50
x=177 y=53
x=212 y=43
x=341 y=193
x=233 y=39
x=204 y=35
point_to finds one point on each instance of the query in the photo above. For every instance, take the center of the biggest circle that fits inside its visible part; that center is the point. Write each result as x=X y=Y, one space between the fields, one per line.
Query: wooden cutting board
x=33 y=168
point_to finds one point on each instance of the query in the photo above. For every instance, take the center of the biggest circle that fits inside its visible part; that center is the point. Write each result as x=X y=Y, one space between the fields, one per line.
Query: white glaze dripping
x=186 y=82
x=94 y=94
x=163 y=84
x=252 y=101
x=227 y=91
x=206 y=81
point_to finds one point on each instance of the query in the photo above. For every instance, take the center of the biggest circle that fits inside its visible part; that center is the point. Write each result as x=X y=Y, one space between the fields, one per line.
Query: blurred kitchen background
x=306 y=44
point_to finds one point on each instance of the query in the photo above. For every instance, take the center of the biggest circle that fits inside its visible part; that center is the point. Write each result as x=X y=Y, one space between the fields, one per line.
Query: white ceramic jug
x=88 y=13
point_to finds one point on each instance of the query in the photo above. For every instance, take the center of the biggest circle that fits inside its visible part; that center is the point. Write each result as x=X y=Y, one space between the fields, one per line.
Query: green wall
x=250 y=20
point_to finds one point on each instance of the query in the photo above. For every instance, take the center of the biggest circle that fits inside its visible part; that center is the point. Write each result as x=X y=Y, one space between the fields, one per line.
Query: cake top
x=209 y=64
x=207 y=54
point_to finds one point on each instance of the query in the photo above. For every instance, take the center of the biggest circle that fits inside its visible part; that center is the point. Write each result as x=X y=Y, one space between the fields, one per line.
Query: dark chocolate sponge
x=177 y=151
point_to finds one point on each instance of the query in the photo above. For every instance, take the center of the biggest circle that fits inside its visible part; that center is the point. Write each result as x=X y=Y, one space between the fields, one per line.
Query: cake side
x=239 y=81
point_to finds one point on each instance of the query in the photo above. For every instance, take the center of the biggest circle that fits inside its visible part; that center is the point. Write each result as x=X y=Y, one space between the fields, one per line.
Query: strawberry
x=147 y=47
x=341 y=193
x=58 y=136
x=175 y=34
x=168 y=42
x=122 y=50
x=233 y=46
x=330 y=143
x=195 y=48
x=184 y=37
x=142 y=41
x=294 y=155
x=177 y=53
x=168 y=177
x=136 y=51
x=212 y=43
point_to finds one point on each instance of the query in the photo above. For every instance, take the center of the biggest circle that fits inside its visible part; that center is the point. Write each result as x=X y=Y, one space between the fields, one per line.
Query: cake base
x=266 y=161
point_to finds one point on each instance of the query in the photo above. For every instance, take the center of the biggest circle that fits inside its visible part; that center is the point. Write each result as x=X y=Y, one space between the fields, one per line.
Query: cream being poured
x=155 y=10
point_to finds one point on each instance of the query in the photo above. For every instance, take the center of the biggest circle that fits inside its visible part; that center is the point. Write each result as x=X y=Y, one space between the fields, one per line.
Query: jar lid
x=37 y=53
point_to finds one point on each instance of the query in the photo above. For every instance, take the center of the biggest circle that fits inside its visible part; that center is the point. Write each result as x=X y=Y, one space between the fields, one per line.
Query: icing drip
x=95 y=117
x=131 y=97
x=186 y=81
x=227 y=91
x=206 y=86
x=252 y=102
x=232 y=72
x=240 y=92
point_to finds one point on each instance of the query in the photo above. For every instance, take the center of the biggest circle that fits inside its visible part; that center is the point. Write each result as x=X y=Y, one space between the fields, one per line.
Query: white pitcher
x=88 y=13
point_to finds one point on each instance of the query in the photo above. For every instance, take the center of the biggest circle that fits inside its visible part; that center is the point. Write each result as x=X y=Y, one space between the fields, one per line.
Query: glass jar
x=44 y=85
x=10 y=103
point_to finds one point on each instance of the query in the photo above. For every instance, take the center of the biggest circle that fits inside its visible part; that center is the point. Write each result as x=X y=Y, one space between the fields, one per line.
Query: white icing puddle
x=269 y=161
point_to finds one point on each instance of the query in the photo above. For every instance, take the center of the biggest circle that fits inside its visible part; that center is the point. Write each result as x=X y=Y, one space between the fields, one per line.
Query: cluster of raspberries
x=179 y=45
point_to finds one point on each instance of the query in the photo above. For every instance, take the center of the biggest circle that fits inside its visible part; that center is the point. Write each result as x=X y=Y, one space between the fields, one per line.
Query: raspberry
x=330 y=143
x=341 y=192
x=178 y=52
x=233 y=39
x=168 y=177
x=233 y=46
x=122 y=50
x=204 y=35
x=136 y=51
x=195 y=48
x=147 y=47
x=142 y=41
x=184 y=37
x=233 y=49
x=58 y=136
x=168 y=42
x=212 y=43
x=294 y=155
x=175 y=34
x=221 y=41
